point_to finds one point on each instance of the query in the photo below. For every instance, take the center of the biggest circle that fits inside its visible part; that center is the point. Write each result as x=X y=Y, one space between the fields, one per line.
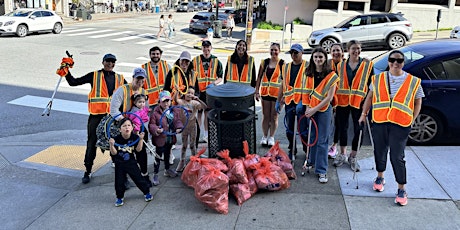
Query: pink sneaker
x=378 y=184
x=332 y=152
x=401 y=197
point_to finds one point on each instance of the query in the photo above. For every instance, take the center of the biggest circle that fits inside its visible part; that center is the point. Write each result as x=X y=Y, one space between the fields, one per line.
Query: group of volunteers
x=309 y=91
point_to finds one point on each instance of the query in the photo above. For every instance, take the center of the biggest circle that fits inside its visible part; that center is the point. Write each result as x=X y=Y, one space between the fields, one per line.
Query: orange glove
x=63 y=71
x=67 y=61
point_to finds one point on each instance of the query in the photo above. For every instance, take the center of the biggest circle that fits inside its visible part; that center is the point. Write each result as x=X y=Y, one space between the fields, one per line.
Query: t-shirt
x=395 y=84
x=294 y=71
x=125 y=152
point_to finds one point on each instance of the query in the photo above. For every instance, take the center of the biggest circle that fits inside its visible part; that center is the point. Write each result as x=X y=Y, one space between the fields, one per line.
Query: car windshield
x=381 y=62
x=18 y=13
x=341 y=24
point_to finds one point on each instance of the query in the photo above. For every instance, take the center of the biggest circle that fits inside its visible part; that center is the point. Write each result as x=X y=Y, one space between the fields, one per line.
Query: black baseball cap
x=206 y=43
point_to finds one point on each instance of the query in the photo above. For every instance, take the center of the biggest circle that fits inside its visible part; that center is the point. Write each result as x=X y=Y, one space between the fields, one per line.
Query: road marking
x=170 y=46
x=58 y=104
x=181 y=42
x=129 y=64
x=112 y=34
x=132 y=37
x=142 y=59
x=90 y=32
x=75 y=30
x=147 y=42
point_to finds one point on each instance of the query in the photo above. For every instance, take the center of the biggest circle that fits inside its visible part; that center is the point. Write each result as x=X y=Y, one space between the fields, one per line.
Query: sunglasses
x=399 y=60
x=295 y=52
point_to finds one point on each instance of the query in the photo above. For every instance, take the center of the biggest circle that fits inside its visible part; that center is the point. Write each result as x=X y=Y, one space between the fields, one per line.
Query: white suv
x=390 y=29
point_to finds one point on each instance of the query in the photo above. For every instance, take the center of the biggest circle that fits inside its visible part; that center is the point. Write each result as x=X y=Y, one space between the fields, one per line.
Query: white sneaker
x=264 y=140
x=171 y=159
x=271 y=141
x=322 y=178
x=173 y=147
x=112 y=165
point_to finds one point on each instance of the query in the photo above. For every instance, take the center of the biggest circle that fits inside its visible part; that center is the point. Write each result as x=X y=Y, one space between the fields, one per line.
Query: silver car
x=455 y=33
x=388 y=29
x=186 y=7
x=202 y=21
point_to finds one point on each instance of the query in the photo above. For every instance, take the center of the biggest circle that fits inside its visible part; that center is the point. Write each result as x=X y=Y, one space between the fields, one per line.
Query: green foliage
x=269 y=26
x=299 y=21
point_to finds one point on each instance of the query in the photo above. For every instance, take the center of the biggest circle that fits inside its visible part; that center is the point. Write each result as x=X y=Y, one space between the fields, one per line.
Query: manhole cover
x=89 y=53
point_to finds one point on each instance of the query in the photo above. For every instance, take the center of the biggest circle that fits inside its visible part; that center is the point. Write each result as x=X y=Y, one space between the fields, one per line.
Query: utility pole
x=284 y=22
x=249 y=21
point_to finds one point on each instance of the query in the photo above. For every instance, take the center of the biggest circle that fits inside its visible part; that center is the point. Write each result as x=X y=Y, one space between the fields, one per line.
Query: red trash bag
x=249 y=159
x=212 y=188
x=241 y=192
x=252 y=182
x=190 y=173
x=236 y=170
x=270 y=177
x=279 y=157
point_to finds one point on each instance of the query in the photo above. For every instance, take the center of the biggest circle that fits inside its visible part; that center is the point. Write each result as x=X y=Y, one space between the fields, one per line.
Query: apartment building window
x=433 y=2
x=457 y=3
x=358 y=6
x=330 y=5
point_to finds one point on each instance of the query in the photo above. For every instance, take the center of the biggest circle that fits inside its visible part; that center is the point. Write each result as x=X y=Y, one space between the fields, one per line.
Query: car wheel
x=426 y=128
x=326 y=44
x=57 y=28
x=396 y=40
x=22 y=30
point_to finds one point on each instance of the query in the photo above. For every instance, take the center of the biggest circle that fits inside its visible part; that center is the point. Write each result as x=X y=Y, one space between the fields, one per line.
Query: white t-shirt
x=395 y=84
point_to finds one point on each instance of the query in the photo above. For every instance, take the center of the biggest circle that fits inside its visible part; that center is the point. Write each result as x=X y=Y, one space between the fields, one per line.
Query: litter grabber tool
x=355 y=175
x=306 y=165
x=64 y=66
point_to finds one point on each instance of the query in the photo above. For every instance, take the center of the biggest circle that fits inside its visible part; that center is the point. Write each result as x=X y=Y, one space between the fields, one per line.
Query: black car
x=437 y=63
x=238 y=15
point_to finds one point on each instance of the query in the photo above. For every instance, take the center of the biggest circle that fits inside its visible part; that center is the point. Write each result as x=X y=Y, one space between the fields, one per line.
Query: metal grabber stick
x=294 y=140
x=357 y=152
x=306 y=166
x=50 y=103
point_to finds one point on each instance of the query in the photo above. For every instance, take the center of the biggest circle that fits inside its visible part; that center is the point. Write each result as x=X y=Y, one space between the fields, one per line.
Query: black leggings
x=128 y=167
x=342 y=115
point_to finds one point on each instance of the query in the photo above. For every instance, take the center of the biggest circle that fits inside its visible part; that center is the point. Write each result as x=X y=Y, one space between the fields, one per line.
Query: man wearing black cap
x=103 y=83
x=121 y=102
x=208 y=71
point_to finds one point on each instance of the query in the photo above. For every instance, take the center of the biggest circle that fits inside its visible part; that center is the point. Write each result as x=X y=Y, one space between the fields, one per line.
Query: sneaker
x=354 y=165
x=171 y=159
x=149 y=183
x=271 y=141
x=156 y=181
x=322 y=178
x=86 y=178
x=148 y=197
x=401 y=197
x=339 y=160
x=332 y=152
x=180 y=166
x=170 y=173
x=119 y=202
x=263 y=141
x=378 y=184
x=173 y=147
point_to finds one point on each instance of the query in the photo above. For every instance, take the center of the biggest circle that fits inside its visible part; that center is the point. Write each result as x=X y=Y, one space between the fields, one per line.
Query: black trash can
x=217 y=28
x=232 y=119
x=82 y=13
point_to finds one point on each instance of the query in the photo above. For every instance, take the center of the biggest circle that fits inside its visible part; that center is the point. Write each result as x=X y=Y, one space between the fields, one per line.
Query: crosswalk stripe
x=181 y=42
x=129 y=64
x=90 y=32
x=170 y=46
x=76 y=30
x=58 y=104
x=147 y=42
x=132 y=37
x=112 y=34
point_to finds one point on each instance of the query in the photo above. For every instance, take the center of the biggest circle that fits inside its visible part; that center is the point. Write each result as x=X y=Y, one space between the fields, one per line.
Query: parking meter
x=438 y=19
x=292 y=27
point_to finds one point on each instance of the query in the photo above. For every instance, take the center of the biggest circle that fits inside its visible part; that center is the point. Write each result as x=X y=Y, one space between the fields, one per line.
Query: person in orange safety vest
x=156 y=70
x=396 y=99
x=240 y=66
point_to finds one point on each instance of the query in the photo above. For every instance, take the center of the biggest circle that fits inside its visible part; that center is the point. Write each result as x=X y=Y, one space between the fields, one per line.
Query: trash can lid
x=231 y=89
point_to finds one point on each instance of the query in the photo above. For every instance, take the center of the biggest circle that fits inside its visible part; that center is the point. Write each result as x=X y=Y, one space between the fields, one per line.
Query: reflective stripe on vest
x=270 y=88
x=155 y=81
x=320 y=92
x=98 y=97
x=127 y=93
x=246 y=74
x=294 y=93
x=355 y=95
x=400 y=110
x=205 y=78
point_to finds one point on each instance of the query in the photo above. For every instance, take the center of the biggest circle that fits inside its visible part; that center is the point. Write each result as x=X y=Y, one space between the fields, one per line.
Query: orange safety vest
x=205 y=78
x=294 y=94
x=270 y=88
x=335 y=100
x=400 y=109
x=177 y=79
x=98 y=97
x=127 y=93
x=246 y=74
x=318 y=94
x=355 y=95
x=155 y=81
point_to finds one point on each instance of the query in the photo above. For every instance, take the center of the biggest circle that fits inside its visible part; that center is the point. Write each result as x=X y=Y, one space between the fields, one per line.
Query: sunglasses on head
x=275 y=43
x=294 y=52
x=399 y=60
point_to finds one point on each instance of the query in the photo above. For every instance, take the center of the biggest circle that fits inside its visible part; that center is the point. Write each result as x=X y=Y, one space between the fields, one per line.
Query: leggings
x=189 y=133
x=166 y=150
x=342 y=115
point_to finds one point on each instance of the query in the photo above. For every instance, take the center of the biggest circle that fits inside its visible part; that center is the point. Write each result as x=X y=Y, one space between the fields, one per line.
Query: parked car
x=388 y=29
x=24 y=21
x=198 y=6
x=439 y=69
x=202 y=21
x=207 y=5
x=186 y=7
x=238 y=15
x=455 y=33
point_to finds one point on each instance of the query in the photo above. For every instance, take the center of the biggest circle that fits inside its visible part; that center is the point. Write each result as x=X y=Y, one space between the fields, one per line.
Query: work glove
x=66 y=63
x=277 y=107
x=299 y=108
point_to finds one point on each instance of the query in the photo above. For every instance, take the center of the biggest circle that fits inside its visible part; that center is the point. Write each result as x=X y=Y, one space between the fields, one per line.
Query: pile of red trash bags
x=213 y=178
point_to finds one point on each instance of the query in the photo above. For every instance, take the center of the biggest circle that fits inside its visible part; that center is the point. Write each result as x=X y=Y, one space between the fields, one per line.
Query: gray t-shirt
x=395 y=84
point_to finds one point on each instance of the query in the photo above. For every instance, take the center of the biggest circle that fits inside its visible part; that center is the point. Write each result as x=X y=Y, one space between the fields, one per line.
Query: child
x=192 y=103
x=169 y=123
x=125 y=163
x=141 y=109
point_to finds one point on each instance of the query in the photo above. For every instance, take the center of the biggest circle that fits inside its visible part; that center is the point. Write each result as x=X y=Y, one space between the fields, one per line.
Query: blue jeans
x=290 y=118
x=318 y=153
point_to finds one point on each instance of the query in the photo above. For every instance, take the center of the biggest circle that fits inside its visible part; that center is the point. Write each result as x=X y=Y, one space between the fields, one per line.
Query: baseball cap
x=297 y=47
x=139 y=73
x=108 y=57
x=165 y=95
x=206 y=43
x=185 y=55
